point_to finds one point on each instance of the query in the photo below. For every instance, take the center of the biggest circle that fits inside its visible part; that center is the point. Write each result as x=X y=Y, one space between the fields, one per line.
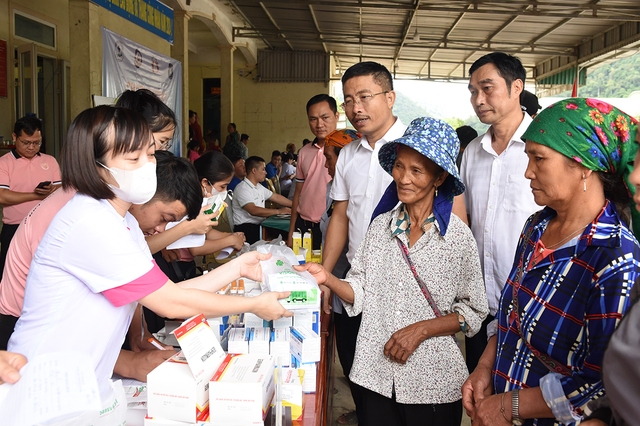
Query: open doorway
x=211 y=108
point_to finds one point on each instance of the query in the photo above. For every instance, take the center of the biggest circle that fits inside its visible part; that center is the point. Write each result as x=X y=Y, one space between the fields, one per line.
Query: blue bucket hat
x=436 y=140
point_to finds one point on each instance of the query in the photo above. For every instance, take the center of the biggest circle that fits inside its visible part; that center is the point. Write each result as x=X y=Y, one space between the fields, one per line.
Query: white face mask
x=135 y=186
x=213 y=193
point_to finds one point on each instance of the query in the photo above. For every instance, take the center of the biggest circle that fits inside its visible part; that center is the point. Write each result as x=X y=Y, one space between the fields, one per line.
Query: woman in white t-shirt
x=93 y=264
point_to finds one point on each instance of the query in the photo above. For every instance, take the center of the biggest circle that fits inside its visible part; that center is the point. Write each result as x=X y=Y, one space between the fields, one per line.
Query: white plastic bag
x=278 y=275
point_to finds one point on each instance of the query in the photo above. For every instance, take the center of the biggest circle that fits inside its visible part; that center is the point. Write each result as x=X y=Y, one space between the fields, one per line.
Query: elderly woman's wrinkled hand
x=476 y=388
x=488 y=413
x=315 y=269
x=404 y=342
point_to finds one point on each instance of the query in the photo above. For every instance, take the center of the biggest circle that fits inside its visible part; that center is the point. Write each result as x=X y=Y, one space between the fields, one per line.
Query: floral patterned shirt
x=387 y=294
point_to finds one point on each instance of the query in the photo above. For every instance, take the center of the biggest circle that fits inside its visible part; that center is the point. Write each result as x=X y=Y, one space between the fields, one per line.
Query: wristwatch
x=515 y=408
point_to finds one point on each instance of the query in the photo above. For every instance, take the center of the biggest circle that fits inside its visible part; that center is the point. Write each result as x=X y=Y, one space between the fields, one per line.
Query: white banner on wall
x=127 y=65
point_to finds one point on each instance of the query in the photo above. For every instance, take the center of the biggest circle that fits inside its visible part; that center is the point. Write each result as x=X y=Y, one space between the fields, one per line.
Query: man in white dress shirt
x=359 y=182
x=498 y=196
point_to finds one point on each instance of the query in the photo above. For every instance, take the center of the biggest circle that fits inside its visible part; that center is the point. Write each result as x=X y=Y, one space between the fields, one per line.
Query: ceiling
x=440 y=39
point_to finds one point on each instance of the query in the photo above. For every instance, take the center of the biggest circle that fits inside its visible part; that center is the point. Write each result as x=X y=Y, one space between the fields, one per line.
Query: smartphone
x=41 y=185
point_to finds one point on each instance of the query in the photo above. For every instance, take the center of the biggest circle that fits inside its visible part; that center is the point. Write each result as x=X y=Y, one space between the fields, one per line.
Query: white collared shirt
x=362 y=181
x=245 y=193
x=499 y=201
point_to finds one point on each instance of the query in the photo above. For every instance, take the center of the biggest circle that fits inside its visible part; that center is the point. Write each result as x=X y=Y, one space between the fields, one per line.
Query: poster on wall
x=127 y=65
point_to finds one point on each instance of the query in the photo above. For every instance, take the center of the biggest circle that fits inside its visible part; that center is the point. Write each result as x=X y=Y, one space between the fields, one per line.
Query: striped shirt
x=570 y=303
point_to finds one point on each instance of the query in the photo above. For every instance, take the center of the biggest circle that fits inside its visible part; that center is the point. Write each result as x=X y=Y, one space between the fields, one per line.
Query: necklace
x=567 y=238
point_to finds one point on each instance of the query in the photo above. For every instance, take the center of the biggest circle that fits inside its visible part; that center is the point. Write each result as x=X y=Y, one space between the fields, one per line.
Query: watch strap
x=515 y=408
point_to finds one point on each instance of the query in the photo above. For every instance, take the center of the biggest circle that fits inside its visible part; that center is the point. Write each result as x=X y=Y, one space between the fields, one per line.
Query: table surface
x=277 y=223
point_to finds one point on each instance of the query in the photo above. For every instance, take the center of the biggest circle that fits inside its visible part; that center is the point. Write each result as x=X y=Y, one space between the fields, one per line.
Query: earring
x=436 y=191
x=584 y=183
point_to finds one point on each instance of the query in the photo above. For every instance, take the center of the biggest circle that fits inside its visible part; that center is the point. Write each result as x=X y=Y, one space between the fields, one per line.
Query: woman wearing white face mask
x=93 y=263
x=215 y=171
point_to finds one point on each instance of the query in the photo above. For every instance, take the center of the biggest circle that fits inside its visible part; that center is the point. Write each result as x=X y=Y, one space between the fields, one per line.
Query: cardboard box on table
x=241 y=390
x=178 y=388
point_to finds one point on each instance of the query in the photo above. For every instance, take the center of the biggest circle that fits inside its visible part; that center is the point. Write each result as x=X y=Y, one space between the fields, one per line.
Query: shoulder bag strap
x=545 y=359
x=423 y=285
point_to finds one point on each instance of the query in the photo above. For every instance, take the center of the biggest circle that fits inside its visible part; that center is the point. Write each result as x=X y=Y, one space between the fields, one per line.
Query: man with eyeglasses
x=358 y=186
x=310 y=193
x=26 y=177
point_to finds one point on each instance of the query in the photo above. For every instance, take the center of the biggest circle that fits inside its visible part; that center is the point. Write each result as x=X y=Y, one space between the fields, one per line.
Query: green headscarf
x=594 y=133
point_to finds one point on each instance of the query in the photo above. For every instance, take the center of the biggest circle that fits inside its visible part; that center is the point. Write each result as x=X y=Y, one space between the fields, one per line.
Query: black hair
x=286 y=156
x=509 y=67
x=276 y=153
x=244 y=137
x=213 y=166
x=193 y=144
x=616 y=191
x=192 y=113
x=235 y=159
x=27 y=125
x=94 y=134
x=233 y=125
x=157 y=113
x=252 y=163
x=466 y=134
x=322 y=97
x=380 y=73
x=177 y=181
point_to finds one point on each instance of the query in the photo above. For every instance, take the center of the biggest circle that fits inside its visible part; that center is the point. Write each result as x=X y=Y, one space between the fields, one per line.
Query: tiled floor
x=342 y=401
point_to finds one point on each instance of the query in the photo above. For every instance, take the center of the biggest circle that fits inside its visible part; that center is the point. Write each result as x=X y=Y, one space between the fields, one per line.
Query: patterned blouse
x=570 y=303
x=387 y=294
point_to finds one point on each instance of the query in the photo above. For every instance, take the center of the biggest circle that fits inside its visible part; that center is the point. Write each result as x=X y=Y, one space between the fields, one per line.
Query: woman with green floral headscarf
x=574 y=266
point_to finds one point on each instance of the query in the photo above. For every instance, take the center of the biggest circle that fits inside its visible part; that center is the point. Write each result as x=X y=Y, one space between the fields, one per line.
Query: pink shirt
x=20 y=174
x=22 y=248
x=314 y=177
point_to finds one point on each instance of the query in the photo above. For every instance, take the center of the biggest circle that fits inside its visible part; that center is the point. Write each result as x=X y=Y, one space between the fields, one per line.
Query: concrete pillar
x=226 y=87
x=180 y=51
x=85 y=54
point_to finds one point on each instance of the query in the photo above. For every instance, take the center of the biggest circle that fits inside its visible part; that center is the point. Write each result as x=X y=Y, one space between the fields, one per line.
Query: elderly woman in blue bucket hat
x=416 y=279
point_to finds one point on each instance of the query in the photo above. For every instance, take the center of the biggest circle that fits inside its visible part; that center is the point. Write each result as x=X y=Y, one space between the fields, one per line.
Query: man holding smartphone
x=26 y=177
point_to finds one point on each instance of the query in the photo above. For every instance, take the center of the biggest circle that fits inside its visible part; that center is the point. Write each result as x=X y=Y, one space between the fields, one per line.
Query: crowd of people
x=522 y=238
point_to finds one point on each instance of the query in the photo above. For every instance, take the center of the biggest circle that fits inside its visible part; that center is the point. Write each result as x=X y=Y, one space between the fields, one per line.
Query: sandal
x=348 y=418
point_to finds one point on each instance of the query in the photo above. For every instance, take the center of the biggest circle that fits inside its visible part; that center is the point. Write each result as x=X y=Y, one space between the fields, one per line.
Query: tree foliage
x=614 y=80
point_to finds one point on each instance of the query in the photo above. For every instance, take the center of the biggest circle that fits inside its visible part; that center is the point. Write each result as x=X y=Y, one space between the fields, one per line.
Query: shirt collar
x=604 y=231
x=251 y=183
x=16 y=155
x=516 y=138
x=401 y=223
x=396 y=131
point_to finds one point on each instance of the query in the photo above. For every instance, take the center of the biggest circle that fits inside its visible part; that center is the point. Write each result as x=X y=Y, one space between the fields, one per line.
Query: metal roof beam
x=275 y=24
x=509 y=7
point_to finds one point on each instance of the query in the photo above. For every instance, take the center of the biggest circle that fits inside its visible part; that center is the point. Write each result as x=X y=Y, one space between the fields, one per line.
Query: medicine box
x=241 y=389
x=305 y=344
x=239 y=341
x=252 y=320
x=282 y=322
x=308 y=372
x=309 y=318
x=291 y=384
x=280 y=347
x=178 y=388
x=259 y=340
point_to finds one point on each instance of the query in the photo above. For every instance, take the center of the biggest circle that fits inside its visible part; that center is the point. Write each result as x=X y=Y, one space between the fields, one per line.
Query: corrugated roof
x=440 y=39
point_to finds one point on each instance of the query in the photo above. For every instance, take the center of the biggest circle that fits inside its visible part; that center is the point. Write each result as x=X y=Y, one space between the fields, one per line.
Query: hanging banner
x=152 y=15
x=127 y=65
